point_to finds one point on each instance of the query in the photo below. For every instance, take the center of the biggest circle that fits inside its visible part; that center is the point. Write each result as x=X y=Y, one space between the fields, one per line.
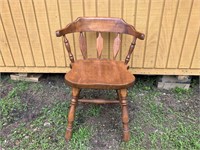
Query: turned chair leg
x=125 y=118
x=71 y=114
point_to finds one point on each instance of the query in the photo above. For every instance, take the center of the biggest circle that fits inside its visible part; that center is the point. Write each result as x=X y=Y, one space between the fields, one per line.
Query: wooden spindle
x=71 y=114
x=125 y=117
x=83 y=45
x=99 y=45
x=71 y=57
x=116 y=46
x=132 y=46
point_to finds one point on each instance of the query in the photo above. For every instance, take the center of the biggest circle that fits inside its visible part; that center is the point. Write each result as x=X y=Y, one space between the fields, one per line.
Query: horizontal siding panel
x=133 y=70
x=28 y=42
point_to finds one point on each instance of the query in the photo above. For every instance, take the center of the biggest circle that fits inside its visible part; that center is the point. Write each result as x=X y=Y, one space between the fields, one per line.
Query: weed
x=94 y=110
x=80 y=139
x=181 y=93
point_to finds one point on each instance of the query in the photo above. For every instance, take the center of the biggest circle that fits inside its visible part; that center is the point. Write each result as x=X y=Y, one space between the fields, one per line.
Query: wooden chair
x=97 y=73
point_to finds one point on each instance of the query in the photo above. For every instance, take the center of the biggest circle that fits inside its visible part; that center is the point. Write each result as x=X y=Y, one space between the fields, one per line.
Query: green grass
x=163 y=131
x=38 y=136
x=181 y=93
x=94 y=110
x=80 y=139
x=11 y=105
x=154 y=125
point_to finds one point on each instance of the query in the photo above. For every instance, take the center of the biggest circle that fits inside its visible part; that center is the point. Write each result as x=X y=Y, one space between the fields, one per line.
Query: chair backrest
x=100 y=24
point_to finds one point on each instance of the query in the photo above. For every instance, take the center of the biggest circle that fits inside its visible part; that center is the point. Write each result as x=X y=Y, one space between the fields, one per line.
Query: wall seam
x=49 y=27
x=147 y=28
x=38 y=30
x=27 y=33
x=172 y=34
x=185 y=34
x=20 y=48
x=195 y=48
x=7 y=42
x=159 y=32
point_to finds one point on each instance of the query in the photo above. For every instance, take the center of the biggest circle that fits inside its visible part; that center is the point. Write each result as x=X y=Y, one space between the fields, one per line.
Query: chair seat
x=99 y=74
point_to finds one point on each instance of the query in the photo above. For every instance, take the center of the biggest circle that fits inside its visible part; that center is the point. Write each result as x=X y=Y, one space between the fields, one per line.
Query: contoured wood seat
x=97 y=73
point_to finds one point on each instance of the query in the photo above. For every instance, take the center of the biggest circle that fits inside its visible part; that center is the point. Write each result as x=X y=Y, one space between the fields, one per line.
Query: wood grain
x=166 y=33
x=83 y=45
x=155 y=17
x=141 y=25
x=54 y=23
x=32 y=32
x=5 y=47
x=103 y=9
x=196 y=58
x=116 y=46
x=139 y=71
x=188 y=46
x=129 y=8
x=95 y=73
x=115 y=10
x=98 y=101
x=10 y=36
x=90 y=10
x=2 y=62
x=78 y=11
x=66 y=16
x=22 y=34
x=179 y=33
x=99 y=45
x=44 y=32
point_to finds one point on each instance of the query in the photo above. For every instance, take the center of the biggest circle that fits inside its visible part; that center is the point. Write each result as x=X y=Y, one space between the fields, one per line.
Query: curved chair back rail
x=99 y=24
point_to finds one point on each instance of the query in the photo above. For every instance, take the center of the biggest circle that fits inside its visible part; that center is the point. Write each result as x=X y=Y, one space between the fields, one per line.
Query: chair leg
x=125 y=118
x=71 y=114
